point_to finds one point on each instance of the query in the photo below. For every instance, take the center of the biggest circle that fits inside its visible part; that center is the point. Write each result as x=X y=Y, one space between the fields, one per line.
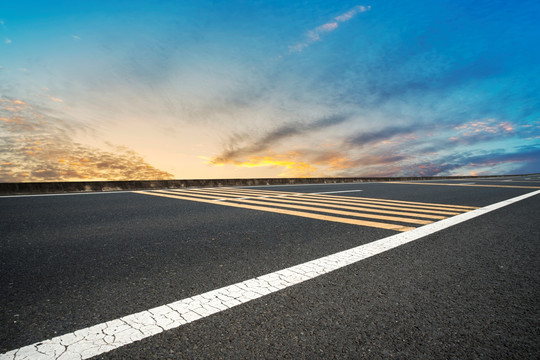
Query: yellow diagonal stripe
x=403 y=208
x=355 y=208
x=346 y=213
x=246 y=192
x=396 y=202
x=406 y=206
x=322 y=201
x=283 y=211
x=337 y=212
x=211 y=193
x=347 y=198
x=387 y=205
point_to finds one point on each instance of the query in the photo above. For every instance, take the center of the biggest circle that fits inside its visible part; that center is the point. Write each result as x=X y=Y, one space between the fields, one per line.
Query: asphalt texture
x=467 y=292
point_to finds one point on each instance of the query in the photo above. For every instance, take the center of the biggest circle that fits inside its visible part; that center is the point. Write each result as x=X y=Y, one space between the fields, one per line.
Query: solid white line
x=335 y=192
x=104 y=337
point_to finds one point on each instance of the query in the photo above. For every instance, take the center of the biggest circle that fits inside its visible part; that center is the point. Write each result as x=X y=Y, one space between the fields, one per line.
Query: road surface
x=138 y=274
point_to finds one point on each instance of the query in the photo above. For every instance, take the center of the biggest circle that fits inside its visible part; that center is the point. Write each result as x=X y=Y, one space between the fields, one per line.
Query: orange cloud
x=37 y=150
x=480 y=130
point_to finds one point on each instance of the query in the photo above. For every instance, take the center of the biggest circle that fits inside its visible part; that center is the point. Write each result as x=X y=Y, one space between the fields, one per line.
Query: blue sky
x=221 y=89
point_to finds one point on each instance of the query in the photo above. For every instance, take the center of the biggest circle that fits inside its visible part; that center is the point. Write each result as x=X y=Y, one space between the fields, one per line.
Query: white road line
x=469 y=183
x=104 y=337
x=335 y=192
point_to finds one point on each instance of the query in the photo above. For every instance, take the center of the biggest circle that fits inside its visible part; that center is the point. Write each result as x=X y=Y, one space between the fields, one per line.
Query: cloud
x=351 y=13
x=482 y=130
x=55 y=99
x=405 y=150
x=38 y=147
x=315 y=34
x=369 y=137
x=7 y=41
x=236 y=151
x=75 y=37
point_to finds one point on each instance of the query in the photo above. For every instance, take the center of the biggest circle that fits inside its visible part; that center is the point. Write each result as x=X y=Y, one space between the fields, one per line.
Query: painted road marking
x=283 y=211
x=478 y=185
x=302 y=198
x=332 y=204
x=385 y=205
x=316 y=206
x=340 y=205
x=360 y=206
x=336 y=192
x=290 y=204
x=110 y=335
x=234 y=192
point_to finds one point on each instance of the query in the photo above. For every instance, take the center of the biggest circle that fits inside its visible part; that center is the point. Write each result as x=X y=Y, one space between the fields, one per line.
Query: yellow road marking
x=211 y=192
x=348 y=199
x=322 y=201
x=255 y=192
x=403 y=207
x=403 y=202
x=194 y=194
x=287 y=212
x=474 y=185
x=397 y=206
x=357 y=208
x=330 y=211
x=356 y=198
x=338 y=212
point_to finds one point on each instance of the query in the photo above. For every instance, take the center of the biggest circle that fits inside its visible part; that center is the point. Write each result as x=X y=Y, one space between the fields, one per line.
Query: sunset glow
x=181 y=90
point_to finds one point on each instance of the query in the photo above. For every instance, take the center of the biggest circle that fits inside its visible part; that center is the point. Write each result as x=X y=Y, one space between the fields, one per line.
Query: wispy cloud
x=55 y=99
x=392 y=150
x=39 y=147
x=237 y=149
x=482 y=130
x=315 y=34
x=366 y=138
x=75 y=37
x=7 y=41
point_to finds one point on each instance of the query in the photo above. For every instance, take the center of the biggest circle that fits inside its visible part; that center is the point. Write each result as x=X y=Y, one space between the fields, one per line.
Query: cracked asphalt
x=467 y=292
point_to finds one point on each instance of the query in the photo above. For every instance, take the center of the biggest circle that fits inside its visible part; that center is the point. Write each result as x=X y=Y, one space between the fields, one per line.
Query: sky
x=135 y=90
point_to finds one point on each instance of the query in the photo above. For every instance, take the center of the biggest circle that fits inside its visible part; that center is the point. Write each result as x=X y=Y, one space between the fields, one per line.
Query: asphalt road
x=471 y=291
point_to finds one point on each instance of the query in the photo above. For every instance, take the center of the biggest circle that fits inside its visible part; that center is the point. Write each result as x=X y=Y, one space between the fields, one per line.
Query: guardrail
x=89 y=186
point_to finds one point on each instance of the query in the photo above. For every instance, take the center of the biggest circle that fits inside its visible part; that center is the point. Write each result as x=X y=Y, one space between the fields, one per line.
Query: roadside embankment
x=93 y=186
